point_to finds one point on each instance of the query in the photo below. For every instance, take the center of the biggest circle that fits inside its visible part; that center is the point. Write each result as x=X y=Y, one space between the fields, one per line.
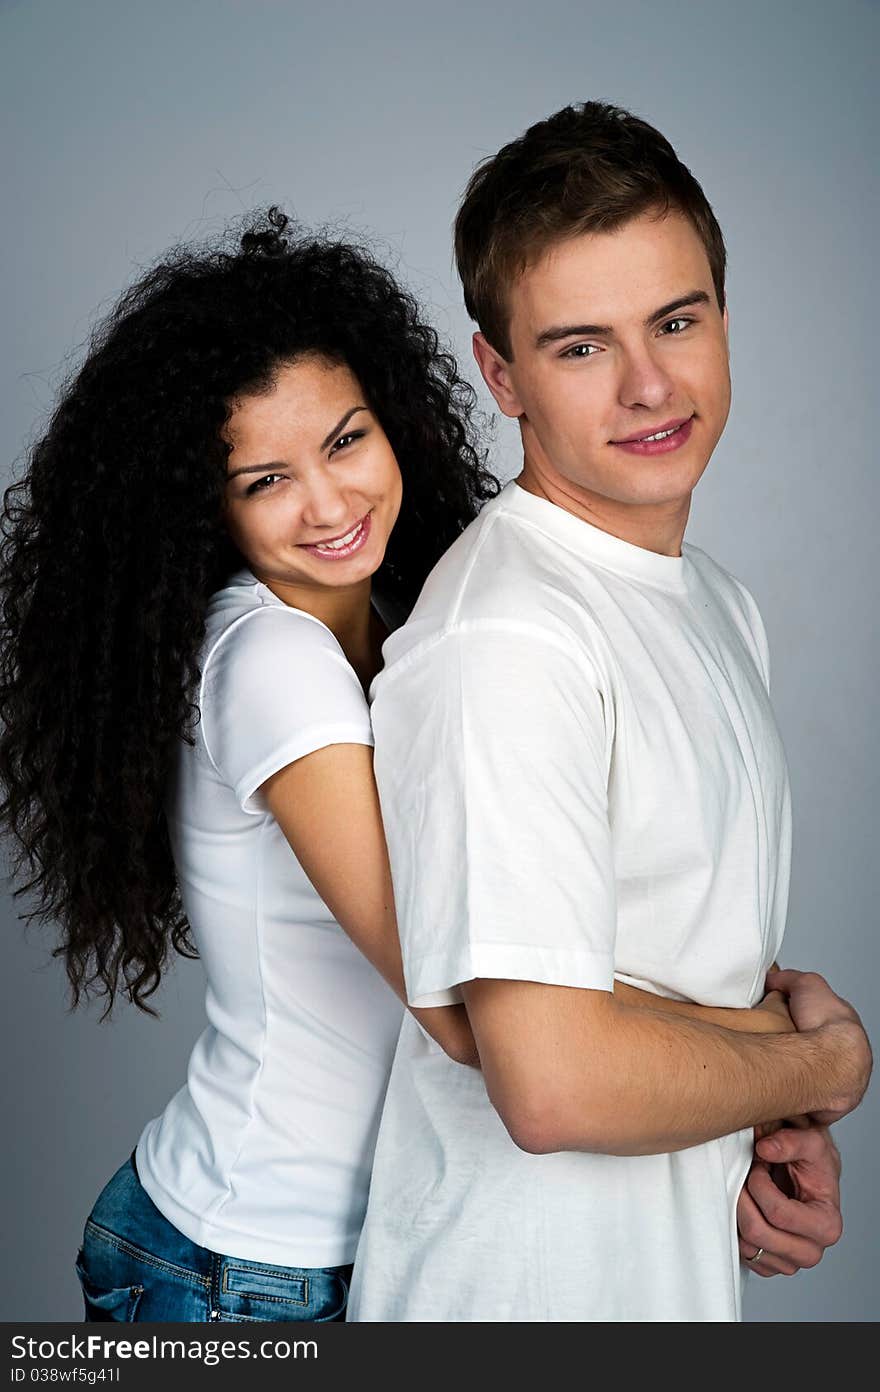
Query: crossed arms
x=571 y=1069
x=328 y=808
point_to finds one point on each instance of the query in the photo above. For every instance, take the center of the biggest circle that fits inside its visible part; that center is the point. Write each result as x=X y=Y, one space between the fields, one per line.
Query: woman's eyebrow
x=256 y=469
x=339 y=425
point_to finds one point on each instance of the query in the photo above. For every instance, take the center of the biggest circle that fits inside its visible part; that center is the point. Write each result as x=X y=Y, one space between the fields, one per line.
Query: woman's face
x=313 y=488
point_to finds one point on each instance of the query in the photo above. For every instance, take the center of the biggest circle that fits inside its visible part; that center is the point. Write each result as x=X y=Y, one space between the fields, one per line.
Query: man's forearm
x=673 y=1082
x=448 y=1025
x=574 y=1070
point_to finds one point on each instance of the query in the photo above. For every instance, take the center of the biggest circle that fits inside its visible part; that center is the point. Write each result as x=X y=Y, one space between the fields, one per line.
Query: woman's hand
x=449 y=1026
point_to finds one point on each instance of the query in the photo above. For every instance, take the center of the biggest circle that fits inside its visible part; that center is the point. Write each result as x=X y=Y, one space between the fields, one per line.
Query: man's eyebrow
x=572 y=331
x=559 y=331
x=693 y=297
x=278 y=464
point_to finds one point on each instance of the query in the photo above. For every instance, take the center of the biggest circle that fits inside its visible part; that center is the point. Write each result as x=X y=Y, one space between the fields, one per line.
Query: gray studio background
x=130 y=126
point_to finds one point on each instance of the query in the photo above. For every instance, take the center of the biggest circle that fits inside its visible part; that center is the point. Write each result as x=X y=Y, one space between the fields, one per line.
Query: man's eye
x=675 y=326
x=267 y=481
x=580 y=350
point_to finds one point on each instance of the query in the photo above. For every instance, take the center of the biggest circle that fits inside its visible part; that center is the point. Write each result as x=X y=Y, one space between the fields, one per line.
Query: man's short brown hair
x=591 y=167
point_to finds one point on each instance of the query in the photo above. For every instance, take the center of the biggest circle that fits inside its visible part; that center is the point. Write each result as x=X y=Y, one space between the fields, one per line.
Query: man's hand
x=790 y=1204
x=815 y=1007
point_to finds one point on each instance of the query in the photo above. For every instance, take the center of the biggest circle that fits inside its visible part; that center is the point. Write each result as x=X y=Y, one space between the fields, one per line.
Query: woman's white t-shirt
x=581 y=778
x=265 y=1153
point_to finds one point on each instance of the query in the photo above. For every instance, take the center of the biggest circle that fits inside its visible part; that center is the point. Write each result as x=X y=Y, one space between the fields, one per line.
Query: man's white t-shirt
x=265 y=1153
x=581 y=778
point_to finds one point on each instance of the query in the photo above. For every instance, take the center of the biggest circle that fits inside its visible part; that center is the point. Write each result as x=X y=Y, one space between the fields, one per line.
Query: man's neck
x=653 y=526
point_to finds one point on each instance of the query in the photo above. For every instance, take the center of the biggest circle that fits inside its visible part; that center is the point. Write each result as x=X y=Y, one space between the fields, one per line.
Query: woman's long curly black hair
x=113 y=542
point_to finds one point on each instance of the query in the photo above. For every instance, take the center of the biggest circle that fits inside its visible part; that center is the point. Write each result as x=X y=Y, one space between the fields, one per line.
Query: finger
x=812 y=1158
x=802 y=1140
x=762 y=1267
x=783 y=980
x=800 y=1230
x=754 y=1234
x=766 y=1128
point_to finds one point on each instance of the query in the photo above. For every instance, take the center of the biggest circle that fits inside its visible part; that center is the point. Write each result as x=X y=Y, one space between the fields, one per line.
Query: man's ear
x=496 y=375
x=726 y=321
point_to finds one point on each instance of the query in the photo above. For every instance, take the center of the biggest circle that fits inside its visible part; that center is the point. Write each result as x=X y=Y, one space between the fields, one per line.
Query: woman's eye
x=580 y=350
x=675 y=326
x=345 y=440
x=267 y=481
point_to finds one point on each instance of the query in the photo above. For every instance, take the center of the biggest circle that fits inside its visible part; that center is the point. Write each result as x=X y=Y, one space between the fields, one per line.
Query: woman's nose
x=325 y=504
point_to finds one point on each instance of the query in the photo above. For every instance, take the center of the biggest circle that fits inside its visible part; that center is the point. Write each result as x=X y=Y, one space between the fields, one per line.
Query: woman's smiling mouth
x=338 y=548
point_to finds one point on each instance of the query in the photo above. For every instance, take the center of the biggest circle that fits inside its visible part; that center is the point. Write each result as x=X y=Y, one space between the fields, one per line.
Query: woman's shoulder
x=271 y=660
x=246 y=621
x=272 y=678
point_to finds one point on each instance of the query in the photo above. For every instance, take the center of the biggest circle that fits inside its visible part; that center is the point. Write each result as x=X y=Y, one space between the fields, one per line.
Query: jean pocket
x=103 y=1305
x=252 y=1293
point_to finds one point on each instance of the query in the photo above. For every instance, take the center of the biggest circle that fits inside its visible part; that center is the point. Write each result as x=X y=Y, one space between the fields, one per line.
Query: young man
x=585 y=795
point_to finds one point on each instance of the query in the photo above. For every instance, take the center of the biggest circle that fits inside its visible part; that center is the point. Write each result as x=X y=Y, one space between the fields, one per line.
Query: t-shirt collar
x=390 y=611
x=605 y=549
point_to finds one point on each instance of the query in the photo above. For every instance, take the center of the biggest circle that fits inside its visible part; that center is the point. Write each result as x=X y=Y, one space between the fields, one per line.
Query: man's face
x=616 y=336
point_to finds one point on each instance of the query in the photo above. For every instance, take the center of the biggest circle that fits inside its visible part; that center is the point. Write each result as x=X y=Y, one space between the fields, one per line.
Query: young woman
x=191 y=623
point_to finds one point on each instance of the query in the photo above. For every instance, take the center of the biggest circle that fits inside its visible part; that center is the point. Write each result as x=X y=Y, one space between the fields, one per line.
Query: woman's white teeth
x=662 y=434
x=341 y=541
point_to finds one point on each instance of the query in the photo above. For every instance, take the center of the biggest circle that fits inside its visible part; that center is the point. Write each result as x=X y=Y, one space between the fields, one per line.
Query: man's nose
x=644 y=380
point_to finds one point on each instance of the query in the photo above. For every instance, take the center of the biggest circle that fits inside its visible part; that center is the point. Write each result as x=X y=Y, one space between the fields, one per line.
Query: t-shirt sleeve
x=492 y=761
x=275 y=687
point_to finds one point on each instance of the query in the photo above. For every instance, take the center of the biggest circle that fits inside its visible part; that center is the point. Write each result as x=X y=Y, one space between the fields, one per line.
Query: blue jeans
x=134 y=1265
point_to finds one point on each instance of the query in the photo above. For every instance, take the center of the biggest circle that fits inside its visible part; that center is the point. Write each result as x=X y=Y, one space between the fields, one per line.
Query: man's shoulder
x=726 y=585
x=493 y=575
